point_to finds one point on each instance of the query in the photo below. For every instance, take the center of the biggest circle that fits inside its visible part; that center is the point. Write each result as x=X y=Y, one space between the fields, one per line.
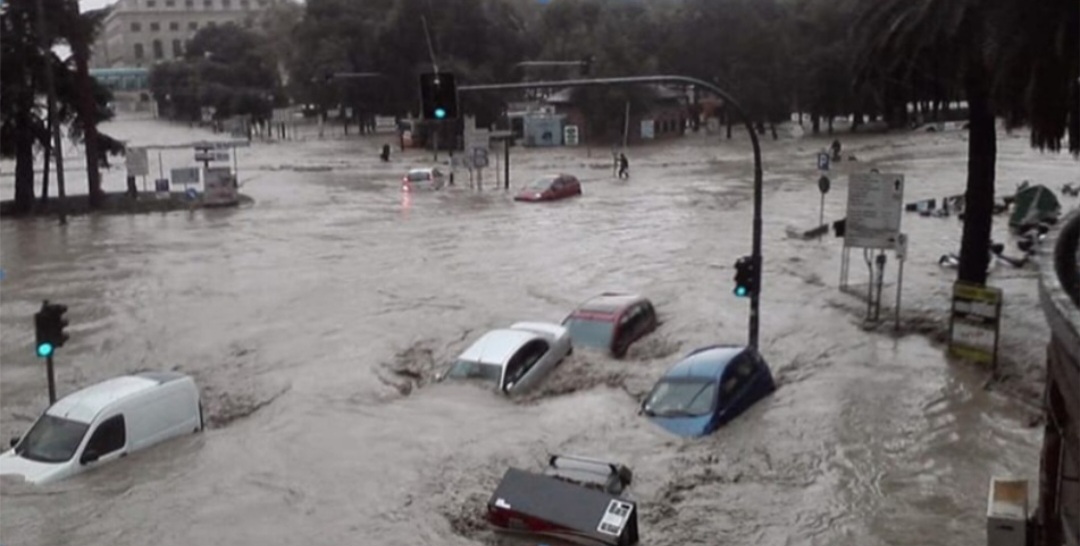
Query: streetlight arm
x=728 y=100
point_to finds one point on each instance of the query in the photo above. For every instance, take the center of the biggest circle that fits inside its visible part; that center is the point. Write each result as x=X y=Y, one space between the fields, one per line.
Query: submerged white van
x=104 y=422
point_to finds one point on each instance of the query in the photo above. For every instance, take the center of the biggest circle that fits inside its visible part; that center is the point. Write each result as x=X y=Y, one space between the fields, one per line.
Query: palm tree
x=1009 y=56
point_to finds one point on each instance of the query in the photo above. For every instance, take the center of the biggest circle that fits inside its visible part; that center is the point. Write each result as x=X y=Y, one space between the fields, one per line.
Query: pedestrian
x=836 y=150
x=385 y=155
x=624 y=166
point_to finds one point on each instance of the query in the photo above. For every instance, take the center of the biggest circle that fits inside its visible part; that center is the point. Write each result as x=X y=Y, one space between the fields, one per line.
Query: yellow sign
x=974 y=324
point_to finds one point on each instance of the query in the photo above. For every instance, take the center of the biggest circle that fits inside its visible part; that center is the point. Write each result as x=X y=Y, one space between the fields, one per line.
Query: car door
x=556 y=188
x=529 y=364
x=107 y=442
x=735 y=387
x=628 y=329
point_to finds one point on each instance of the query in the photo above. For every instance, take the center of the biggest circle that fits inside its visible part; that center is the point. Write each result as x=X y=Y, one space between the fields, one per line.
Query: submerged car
x=550 y=188
x=515 y=359
x=104 y=422
x=611 y=478
x=708 y=388
x=423 y=179
x=612 y=322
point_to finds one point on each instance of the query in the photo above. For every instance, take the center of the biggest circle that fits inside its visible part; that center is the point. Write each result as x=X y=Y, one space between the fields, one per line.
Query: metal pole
x=821 y=212
x=506 y=164
x=729 y=100
x=899 y=286
x=52 y=379
x=50 y=85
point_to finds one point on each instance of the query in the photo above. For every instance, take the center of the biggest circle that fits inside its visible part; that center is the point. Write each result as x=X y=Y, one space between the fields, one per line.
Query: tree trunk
x=979 y=195
x=830 y=124
x=727 y=120
x=856 y=121
x=24 y=157
x=88 y=117
x=815 y=123
x=45 y=170
x=772 y=129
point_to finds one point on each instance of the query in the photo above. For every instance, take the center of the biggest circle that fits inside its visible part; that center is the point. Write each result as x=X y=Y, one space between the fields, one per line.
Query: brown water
x=315 y=319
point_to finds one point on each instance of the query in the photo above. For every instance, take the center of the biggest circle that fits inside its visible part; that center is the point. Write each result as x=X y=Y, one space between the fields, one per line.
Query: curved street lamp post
x=729 y=101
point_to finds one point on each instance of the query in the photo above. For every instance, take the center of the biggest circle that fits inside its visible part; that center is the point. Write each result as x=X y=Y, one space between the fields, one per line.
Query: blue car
x=708 y=388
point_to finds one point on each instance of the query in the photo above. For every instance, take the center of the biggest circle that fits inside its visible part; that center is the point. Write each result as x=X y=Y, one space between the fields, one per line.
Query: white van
x=104 y=422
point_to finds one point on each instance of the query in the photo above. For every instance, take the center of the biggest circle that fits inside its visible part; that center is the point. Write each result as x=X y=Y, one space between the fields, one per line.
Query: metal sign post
x=823 y=186
x=874 y=208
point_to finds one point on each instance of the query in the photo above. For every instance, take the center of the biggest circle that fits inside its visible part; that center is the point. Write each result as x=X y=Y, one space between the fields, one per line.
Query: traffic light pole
x=52 y=380
x=728 y=101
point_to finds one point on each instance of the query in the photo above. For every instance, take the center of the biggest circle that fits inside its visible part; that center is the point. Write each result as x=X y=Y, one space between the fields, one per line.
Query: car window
x=418 y=176
x=110 y=436
x=524 y=360
x=436 y=172
x=52 y=440
x=737 y=375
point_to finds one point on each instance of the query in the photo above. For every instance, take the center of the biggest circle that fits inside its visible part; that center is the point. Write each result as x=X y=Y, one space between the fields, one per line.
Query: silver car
x=515 y=359
x=423 y=179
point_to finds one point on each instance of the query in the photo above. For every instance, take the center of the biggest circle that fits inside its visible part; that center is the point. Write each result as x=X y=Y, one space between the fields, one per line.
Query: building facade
x=141 y=33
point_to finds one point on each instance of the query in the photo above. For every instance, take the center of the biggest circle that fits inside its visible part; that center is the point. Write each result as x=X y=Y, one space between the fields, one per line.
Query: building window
x=136 y=27
x=245 y=4
x=170 y=3
x=159 y=51
x=151 y=3
x=138 y=51
x=209 y=4
x=193 y=25
x=189 y=3
x=174 y=25
x=262 y=3
x=154 y=27
x=177 y=50
x=226 y=4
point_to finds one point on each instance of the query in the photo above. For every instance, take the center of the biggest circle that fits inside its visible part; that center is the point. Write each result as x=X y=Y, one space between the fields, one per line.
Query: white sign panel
x=218 y=188
x=137 y=162
x=281 y=115
x=477 y=139
x=875 y=203
x=648 y=131
x=571 y=137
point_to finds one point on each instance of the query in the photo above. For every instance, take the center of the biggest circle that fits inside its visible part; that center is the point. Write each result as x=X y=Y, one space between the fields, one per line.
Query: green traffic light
x=44 y=350
x=440 y=113
x=741 y=291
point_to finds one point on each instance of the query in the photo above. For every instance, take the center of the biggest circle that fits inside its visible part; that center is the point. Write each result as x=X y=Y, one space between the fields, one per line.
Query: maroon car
x=611 y=322
x=550 y=188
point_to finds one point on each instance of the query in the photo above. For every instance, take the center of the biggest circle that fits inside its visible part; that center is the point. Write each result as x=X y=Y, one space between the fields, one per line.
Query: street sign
x=823 y=184
x=137 y=162
x=185 y=175
x=571 y=136
x=203 y=155
x=975 y=322
x=479 y=158
x=874 y=206
x=823 y=161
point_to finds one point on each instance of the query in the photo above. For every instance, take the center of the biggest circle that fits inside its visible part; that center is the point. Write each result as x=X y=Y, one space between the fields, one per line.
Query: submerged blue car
x=708 y=388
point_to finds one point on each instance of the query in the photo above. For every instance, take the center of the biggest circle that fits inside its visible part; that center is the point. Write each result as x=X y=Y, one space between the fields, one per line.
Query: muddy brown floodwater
x=315 y=320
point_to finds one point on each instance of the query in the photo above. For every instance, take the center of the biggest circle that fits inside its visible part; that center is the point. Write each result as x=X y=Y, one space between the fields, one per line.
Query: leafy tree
x=81 y=103
x=225 y=67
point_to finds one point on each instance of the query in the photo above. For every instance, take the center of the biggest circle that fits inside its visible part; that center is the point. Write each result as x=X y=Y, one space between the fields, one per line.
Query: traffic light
x=438 y=96
x=49 y=326
x=744 y=277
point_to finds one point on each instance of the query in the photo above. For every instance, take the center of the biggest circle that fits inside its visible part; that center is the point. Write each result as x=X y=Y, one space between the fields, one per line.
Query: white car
x=104 y=422
x=515 y=359
x=423 y=179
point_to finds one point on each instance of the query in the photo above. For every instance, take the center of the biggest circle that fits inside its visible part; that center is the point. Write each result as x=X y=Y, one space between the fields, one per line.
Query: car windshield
x=541 y=183
x=51 y=440
x=467 y=369
x=590 y=332
x=419 y=176
x=681 y=398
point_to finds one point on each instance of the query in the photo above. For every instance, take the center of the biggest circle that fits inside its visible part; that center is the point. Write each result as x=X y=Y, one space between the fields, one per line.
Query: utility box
x=1007 y=512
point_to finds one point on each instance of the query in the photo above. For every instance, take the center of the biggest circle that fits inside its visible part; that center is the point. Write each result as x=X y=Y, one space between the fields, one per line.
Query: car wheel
x=202 y=422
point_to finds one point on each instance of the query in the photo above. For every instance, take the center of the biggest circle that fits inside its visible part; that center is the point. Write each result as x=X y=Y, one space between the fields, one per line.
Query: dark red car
x=611 y=322
x=550 y=188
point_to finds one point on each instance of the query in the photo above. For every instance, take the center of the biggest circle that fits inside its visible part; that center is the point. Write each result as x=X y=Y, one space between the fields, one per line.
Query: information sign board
x=975 y=322
x=874 y=206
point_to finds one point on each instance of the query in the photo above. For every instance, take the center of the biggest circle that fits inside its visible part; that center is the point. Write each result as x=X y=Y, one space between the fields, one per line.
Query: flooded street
x=315 y=320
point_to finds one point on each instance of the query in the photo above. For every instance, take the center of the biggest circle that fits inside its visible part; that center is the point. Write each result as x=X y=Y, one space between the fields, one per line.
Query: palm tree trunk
x=45 y=164
x=88 y=115
x=24 y=156
x=979 y=196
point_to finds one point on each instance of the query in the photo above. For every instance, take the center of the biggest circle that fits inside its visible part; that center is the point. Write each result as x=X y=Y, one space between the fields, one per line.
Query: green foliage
x=227 y=68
